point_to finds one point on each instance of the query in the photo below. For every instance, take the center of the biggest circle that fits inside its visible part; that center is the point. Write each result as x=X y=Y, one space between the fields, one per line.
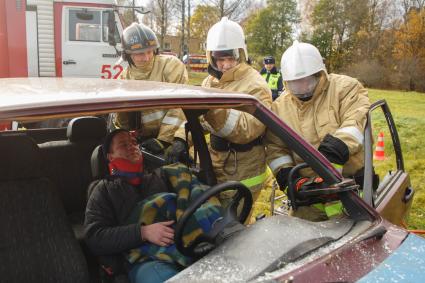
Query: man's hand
x=158 y=233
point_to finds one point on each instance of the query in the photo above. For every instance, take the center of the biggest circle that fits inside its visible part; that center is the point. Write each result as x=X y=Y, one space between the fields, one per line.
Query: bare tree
x=233 y=9
x=307 y=8
x=188 y=28
x=411 y=4
x=380 y=15
x=182 y=30
x=127 y=14
x=162 y=11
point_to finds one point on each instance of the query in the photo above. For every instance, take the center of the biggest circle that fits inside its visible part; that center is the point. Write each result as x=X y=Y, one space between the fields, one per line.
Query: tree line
x=381 y=42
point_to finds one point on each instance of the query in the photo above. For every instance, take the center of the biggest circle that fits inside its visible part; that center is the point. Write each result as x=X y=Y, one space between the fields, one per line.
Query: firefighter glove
x=282 y=177
x=334 y=149
x=177 y=152
x=153 y=145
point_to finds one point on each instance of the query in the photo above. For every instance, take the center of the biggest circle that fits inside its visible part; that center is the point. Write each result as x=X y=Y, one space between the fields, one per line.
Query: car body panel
x=394 y=196
x=405 y=264
x=29 y=94
x=395 y=200
x=348 y=262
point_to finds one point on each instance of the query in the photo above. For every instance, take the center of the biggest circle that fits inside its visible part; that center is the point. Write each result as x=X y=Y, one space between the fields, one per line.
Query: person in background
x=272 y=76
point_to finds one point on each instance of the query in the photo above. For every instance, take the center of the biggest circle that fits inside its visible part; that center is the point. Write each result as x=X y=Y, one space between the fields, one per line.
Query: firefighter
x=272 y=75
x=155 y=127
x=235 y=146
x=327 y=110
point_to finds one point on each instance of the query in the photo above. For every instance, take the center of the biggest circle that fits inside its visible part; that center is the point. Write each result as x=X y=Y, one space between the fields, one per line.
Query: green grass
x=196 y=78
x=408 y=110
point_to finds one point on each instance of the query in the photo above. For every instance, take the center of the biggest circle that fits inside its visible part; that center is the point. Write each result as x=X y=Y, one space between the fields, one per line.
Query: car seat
x=37 y=243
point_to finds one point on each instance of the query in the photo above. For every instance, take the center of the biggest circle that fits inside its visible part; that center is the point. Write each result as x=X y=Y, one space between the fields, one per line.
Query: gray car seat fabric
x=68 y=162
x=99 y=168
x=36 y=240
x=86 y=129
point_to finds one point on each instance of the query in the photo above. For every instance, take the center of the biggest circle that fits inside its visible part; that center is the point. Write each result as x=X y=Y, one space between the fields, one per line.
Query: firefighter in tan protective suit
x=235 y=146
x=327 y=110
x=155 y=127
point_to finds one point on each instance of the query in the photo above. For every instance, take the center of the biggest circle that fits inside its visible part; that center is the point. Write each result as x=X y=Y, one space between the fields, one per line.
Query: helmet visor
x=226 y=53
x=303 y=86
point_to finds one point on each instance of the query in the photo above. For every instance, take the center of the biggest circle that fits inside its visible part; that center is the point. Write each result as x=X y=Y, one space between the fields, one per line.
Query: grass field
x=408 y=109
x=196 y=78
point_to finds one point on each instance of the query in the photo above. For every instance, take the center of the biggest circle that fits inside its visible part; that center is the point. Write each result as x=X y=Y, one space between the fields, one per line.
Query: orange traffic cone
x=379 y=149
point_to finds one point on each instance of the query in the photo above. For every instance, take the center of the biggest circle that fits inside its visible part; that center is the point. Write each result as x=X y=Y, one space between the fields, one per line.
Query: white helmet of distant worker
x=226 y=38
x=301 y=65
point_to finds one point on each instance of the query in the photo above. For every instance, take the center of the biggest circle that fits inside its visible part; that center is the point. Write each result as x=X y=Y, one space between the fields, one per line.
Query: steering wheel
x=206 y=242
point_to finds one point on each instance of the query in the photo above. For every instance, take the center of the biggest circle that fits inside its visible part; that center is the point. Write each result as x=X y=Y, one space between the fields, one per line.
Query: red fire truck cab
x=59 y=38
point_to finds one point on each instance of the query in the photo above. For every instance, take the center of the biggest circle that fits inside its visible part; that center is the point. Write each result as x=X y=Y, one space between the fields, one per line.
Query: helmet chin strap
x=214 y=72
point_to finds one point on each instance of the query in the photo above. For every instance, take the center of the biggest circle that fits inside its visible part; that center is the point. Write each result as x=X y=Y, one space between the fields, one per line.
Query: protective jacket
x=338 y=108
x=108 y=209
x=274 y=80
x=234 y=129
x=161 y=124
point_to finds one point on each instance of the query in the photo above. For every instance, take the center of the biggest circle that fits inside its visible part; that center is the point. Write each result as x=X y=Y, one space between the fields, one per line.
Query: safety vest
x=271 y=79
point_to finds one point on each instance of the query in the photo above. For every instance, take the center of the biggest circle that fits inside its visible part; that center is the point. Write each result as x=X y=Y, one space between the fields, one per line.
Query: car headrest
x=20 y=158
x=99 y=167
x=86 y=128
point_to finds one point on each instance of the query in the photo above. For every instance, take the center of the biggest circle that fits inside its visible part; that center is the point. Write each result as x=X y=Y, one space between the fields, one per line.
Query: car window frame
x=369 y=195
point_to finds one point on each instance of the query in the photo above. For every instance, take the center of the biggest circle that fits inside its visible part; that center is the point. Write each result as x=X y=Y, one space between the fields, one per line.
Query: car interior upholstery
x=68 y=164
x=30 y=208
x=50 y=171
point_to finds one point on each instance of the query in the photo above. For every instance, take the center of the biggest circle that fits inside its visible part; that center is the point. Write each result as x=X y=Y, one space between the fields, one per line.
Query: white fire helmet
x=226 y=35
x=301 y=60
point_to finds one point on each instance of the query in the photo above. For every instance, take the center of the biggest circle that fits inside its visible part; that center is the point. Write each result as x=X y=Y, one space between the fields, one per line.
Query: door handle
x=69 y=62
x=408 y=194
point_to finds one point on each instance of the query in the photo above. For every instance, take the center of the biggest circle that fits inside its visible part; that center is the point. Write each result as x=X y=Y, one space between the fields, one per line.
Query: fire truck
x=197 y=62
x=59 y=38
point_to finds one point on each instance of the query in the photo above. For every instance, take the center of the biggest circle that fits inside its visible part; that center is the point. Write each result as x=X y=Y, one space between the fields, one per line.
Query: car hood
x=405 y=264
x=263 y=247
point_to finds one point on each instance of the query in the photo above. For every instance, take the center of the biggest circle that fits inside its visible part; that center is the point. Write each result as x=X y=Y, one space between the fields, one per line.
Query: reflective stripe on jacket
x=161 y=124
x=338 y=107
x=238 y=127
x=272 y=79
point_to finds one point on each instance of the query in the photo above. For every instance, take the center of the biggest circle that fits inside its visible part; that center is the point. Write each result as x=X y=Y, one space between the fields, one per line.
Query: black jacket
x=109 y=206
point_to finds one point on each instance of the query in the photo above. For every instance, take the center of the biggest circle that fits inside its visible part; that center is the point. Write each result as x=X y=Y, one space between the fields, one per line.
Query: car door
x=383 y=155
x=85 y=48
